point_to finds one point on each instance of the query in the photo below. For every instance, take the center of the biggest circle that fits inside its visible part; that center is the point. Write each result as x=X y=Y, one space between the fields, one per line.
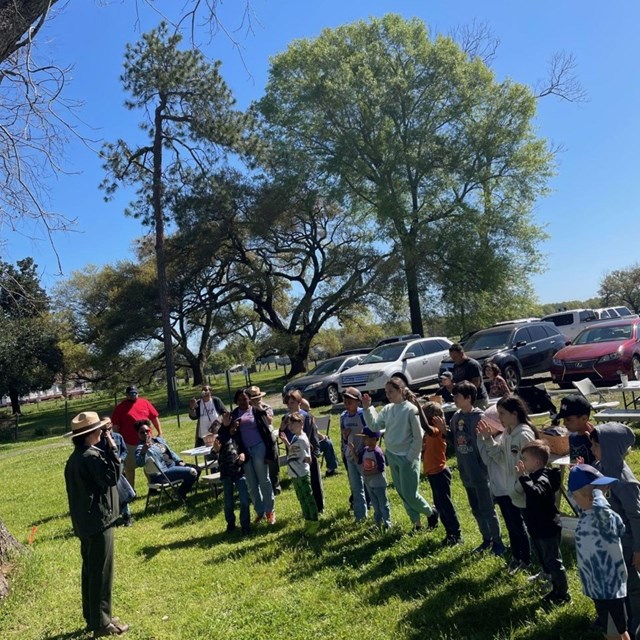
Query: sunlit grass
x=179 y=575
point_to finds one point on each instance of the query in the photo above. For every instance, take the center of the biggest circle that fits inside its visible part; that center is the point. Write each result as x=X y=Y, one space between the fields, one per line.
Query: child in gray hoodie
x=610 y=443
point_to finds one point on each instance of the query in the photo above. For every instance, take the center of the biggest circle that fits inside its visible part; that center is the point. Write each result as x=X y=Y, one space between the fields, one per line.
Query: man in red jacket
x=124 y=417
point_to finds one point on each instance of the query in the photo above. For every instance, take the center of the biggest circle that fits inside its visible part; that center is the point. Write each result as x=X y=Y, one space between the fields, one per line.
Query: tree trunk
x=15 y=401
x=161 y=264
x=196 y=364
x=9 y=547
x=300 y=355
x=411 y=275
x=15 y=19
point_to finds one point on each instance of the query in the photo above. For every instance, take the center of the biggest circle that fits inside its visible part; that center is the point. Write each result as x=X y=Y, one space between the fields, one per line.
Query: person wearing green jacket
x=91 y=475
x=403 y=447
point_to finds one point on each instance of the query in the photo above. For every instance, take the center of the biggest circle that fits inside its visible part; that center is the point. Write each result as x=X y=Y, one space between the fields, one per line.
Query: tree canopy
x=30 y=356
x=416 y=131
x=622 y=287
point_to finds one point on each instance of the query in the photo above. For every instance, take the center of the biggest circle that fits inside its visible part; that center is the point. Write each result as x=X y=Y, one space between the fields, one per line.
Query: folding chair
x=587 y=388
x=160 y=486
x=214 y=481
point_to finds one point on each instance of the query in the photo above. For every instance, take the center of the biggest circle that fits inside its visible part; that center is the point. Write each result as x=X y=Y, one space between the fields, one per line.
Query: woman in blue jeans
x=256 y=440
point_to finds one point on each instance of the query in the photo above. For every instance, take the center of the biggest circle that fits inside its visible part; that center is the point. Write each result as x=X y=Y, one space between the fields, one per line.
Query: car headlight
x=314 y=385
x=557 y=362
x=375 y=374
x=610 y=356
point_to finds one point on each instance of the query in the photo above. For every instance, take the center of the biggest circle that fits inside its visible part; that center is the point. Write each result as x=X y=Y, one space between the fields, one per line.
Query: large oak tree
x=412 y=127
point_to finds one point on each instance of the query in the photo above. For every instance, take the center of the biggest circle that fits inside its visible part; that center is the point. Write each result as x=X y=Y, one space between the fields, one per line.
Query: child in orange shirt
x=434 y=465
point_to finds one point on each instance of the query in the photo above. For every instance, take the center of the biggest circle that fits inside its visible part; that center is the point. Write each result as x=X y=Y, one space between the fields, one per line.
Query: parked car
x=320 y=385
x=415 y=361
x=498 y=324
x=402 y=338
x=623 y=312
x=520 y=349
x=358 y=350
x=600 y=352
x=572 y=321
x=612 y=312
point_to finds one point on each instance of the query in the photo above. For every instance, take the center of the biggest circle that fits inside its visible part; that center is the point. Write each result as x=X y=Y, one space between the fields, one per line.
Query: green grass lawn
x=179 y=575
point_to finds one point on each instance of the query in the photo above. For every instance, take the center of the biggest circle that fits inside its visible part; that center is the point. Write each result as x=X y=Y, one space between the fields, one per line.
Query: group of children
x=501 y=460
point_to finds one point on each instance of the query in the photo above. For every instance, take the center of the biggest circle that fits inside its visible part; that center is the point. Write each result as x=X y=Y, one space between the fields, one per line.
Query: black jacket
x=91 y=476
x=541 y=513
x=228 y=456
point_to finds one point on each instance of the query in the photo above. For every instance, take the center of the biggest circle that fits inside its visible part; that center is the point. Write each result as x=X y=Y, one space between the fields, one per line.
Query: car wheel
x=333 y=397
x=635 y=368
x=512 y=377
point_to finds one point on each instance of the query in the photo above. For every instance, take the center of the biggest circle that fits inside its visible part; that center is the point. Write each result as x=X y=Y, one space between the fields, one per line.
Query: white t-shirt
x=299 y=449
x=208 y=415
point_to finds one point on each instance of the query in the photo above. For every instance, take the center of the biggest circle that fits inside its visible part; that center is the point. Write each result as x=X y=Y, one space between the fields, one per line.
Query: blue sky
x=591 y=214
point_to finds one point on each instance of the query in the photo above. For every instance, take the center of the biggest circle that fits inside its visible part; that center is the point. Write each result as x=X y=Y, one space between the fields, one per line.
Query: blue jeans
x=256 y=470
x=327 y=449
x=356 y=483
x=187 y=474
x=380 y=504
x=229 y=502
x=441 y=490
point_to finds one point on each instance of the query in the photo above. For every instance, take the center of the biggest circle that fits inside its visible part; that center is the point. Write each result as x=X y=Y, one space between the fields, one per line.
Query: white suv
x=415 y=361
x=571 y=322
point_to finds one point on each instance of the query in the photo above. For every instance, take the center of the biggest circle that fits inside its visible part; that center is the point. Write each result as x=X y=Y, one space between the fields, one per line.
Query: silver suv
x=415 y=361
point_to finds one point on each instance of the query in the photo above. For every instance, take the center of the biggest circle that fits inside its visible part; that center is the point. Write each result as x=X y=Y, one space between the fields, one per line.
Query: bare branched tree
x=561 y=80
x=36 y=120
x=35 y=124
x=477 y=40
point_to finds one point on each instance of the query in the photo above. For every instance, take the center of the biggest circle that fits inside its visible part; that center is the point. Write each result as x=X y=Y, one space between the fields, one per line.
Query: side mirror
x=521 y=343
x=567 y=343
x=408 y=355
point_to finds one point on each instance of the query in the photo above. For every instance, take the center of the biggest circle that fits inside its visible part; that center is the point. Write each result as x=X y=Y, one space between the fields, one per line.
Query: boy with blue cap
x=601 y=564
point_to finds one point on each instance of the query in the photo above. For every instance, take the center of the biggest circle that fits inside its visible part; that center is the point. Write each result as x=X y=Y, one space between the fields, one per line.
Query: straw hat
x=254 y=392
x=84 y=423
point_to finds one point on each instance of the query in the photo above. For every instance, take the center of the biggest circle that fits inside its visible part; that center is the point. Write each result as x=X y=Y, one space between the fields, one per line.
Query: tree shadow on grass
x=58 y=516
x=461 y=603
x=210 y=541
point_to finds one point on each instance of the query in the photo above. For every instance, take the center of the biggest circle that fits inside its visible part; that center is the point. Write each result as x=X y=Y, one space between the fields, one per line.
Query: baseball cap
x=131 y=389
x=446 y=374
x=584 y=474
x=353 y=393
x=574 y=405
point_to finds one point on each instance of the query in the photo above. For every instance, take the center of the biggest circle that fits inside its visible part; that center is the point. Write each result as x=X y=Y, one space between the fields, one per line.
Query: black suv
x=520 y=349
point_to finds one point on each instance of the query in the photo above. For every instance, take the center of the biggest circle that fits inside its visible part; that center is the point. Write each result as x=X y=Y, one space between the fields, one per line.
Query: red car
x=601 y=352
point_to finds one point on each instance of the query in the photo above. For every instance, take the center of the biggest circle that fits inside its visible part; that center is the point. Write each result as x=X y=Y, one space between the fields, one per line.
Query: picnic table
x=618 y=415
x=632 y=388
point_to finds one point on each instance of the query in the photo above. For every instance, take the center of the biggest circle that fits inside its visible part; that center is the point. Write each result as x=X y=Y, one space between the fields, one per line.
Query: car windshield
x=327 y=367
x=605 y=334
x=385 y=353
x=485 y=341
